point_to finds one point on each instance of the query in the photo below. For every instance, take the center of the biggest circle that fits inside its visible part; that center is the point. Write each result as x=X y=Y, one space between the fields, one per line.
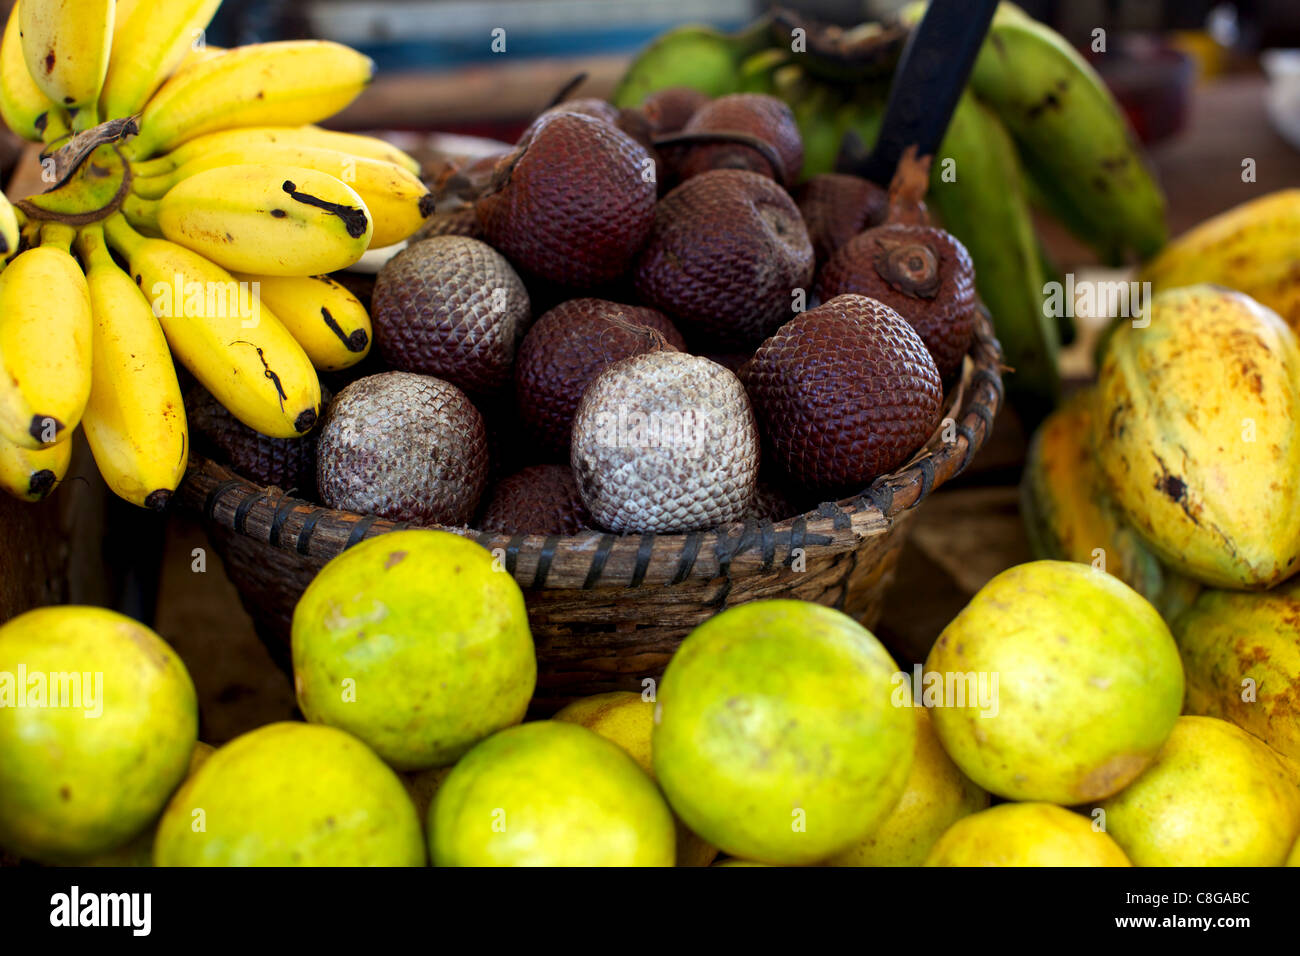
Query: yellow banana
x=200 y=54
x=394 y=196
x=10 y=231
x=329 y=322
x=1252 y=248
x=295 y=81
x=234 y=140
x=66 y=44
x=45 y=342
x=272 y=220
x=150 y=40
x=23 y=104
x=31 y=475
x=135 y=418
x=232 y=344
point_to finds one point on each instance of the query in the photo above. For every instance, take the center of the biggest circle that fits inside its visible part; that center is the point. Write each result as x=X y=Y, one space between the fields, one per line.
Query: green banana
x=757 y=74
x=691 y=55
x=1074 y=139
x=985 y=207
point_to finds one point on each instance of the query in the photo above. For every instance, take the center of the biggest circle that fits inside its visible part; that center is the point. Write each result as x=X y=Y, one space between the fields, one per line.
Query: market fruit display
x=549 y=793
x=98 y=719
x=189 y=166
x=776 y=739
x=1196 y=434
x=1214 y=796
x=1026 y=834
x=291 y=794
x=1089 y=684
x=415 y=643
x=1241 y=656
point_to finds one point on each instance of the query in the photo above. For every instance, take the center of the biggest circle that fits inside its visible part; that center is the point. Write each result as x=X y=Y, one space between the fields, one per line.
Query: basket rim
x=595 y=558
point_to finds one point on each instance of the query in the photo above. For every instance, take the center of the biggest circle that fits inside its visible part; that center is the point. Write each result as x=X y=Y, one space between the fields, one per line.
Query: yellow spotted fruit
x=1026 y=834
x=1056 y=683
x=1241 y=654
x=1198 y=434
x=1069 y=514
x=1215 y=796
x=1253 y=248
x=328 y=321
x=936 y=796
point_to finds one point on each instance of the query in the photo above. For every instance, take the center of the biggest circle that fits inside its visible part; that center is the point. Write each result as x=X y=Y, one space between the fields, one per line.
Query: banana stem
x=152 y=187
x=56 y=235
x=150 y=168
x=142 y=213
x=120 y=234
x=85 y=118
x=91 y=246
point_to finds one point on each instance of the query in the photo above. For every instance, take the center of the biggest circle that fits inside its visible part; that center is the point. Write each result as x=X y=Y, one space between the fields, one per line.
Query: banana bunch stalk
x=195 y=211
x=1036 y=127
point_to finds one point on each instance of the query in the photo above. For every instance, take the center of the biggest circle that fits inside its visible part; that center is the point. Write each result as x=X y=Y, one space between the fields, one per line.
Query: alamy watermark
x=922 y=688
x=62 y=690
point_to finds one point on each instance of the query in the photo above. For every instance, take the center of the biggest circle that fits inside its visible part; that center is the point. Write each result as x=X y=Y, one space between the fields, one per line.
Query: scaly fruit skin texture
x=1215 y=796
x=1069 y=514
x=266 y=84
x=570 y=798
x=391 y=193
x=435 y=638
x=254 y=217
x=135 y=419
x=1026 y=834
x=31 y=475
x=1252 y=248
x=88 y=775
x=574 y=201
x=253 y=137
x=66 y=44
x=936 y=796
x=1089 y=684
x=291 y=794
x=45 y=343
x=774 y=713
x=540 y=499
x=1241 y=653
x=23 y=105
x=150 y=40
x=1197 y=435
x=228 y=340
x=1069 y=126
x=327 y=320
x=764 y=117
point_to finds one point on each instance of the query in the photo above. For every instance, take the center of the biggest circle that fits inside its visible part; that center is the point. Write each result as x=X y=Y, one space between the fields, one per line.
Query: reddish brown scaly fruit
x=845 y=392
x=922 y=273
x=671 y=109
x=287 y=463
x=573 y=202
x=665 y=442
x=588 y=106
x=405 y=447
x=569 y=346
x=836 y=207
x=755 y=114
x=451 y=306
x=540 y=499
x=725 y=257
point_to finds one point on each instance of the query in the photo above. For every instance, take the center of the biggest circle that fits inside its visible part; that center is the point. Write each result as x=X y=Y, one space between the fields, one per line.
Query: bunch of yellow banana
x=222 y=199
x=1036 y=127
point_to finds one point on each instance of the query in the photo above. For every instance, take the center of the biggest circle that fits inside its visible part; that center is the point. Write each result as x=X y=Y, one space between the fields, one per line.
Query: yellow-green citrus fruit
x=1026 y=834
x=98 y=718
x=1215 y=796
x=1082 y=679
x=549 y=793
x=291 y=794
x=416 y=643
x=627 y=719
x=936 y=796
x=1294 y=858
x=777 y=738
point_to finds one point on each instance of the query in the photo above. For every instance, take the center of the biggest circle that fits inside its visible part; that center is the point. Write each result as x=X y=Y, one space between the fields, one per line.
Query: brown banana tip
x=158 y=500
x=41 y=484
x=306 y=421
x=38 y=426
x=358 y=341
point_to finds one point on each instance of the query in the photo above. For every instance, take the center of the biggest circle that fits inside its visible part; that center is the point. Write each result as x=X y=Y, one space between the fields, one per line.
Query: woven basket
x=607 y=610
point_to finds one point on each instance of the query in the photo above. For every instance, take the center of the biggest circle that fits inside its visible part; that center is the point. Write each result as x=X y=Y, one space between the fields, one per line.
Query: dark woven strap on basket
x=597 y=559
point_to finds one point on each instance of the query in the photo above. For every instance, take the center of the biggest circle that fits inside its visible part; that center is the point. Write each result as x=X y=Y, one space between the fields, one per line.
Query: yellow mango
x=1198 y=434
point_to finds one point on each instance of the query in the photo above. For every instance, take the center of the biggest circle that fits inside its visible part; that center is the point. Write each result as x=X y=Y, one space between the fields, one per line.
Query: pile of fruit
x=1036 y=130
x=1043 y=730
x=195 y=222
